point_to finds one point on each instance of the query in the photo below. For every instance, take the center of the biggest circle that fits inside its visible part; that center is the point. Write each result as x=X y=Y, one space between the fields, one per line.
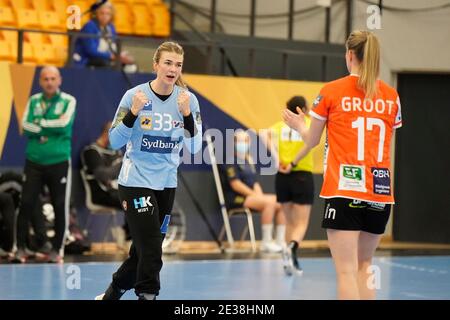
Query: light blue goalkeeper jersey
x=154 y=143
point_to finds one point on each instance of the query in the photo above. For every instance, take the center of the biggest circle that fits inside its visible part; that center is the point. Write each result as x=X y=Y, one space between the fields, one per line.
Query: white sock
x=281 y=234
x=267 y=230
x=148 y=296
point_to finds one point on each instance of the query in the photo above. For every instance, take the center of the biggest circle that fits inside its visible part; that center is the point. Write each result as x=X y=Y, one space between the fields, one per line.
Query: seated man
x=242 y=190
x=104 y=164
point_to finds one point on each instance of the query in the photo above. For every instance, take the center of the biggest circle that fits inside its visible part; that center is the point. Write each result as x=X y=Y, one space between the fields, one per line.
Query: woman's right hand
x=139 y=101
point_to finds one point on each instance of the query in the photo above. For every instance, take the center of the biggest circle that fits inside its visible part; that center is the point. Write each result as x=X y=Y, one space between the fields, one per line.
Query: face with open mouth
x=169 y=67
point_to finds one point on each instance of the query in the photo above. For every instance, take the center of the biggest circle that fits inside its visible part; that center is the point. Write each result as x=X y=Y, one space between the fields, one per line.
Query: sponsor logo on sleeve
x=120 y=115
x=198 y=117
x=381 y=181
x=317 y=101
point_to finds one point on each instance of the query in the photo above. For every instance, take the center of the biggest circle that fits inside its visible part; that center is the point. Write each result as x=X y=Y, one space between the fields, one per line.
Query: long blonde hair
x=367 y=50
x=170 y=46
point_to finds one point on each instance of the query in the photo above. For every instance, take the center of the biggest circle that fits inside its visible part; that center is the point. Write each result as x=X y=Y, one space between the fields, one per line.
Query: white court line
x=410 y=267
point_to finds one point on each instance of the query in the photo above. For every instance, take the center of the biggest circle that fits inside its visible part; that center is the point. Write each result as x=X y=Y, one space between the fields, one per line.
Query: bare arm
x=312 y=135
x=302 y=153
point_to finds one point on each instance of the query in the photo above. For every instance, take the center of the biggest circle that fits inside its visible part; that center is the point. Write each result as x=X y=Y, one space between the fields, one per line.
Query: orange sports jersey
x=359 y=131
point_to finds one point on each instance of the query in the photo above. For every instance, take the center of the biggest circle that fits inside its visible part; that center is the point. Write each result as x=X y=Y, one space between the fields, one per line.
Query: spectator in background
x=104 y=164
x=242 y=190
x=47 y=122
x=101 y=51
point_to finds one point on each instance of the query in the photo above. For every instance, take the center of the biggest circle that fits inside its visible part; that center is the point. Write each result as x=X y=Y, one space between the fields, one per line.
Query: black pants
x=58 y=179
x=7 y=217
x=147 y=213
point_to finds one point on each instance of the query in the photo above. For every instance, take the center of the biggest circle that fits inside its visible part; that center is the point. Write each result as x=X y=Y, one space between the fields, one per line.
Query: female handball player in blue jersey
x=153 y=120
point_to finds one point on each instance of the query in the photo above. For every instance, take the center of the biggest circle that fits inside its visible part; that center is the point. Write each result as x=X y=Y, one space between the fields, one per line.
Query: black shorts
x=297 y=187
x=348 y=214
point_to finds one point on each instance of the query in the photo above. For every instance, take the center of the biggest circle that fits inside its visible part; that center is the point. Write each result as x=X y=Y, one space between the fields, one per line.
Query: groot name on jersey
x=380 y=106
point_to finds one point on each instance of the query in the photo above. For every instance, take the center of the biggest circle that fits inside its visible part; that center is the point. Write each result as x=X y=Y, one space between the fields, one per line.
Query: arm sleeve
x=119 y=134
x=29 y=125
x=64 y=123
x=189 y=126
x=90 y=45
x=194 y=144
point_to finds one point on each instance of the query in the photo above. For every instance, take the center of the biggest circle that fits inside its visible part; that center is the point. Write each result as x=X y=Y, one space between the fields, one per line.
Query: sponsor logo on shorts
x=381 y=181
x=124 y=205
x=357 y=204
x=377 y=206
x=143 y=204
x=330 y=213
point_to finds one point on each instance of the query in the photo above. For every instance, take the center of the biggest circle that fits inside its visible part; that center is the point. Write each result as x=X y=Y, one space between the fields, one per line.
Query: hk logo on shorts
x=143 y=204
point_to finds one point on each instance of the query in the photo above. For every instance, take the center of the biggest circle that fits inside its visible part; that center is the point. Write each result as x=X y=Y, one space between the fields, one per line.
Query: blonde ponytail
x=367 y=50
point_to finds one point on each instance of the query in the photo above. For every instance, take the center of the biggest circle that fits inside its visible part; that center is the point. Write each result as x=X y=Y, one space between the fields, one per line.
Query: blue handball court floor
x=405 y=278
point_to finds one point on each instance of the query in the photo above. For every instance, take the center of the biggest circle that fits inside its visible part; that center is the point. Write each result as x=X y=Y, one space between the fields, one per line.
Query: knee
x=271 y=205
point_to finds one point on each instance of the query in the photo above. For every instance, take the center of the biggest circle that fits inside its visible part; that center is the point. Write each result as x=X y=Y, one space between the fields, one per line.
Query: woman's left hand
x=183 y=103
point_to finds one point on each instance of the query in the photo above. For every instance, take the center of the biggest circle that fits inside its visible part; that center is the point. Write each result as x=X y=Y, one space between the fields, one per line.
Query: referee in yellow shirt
x=293 y=183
